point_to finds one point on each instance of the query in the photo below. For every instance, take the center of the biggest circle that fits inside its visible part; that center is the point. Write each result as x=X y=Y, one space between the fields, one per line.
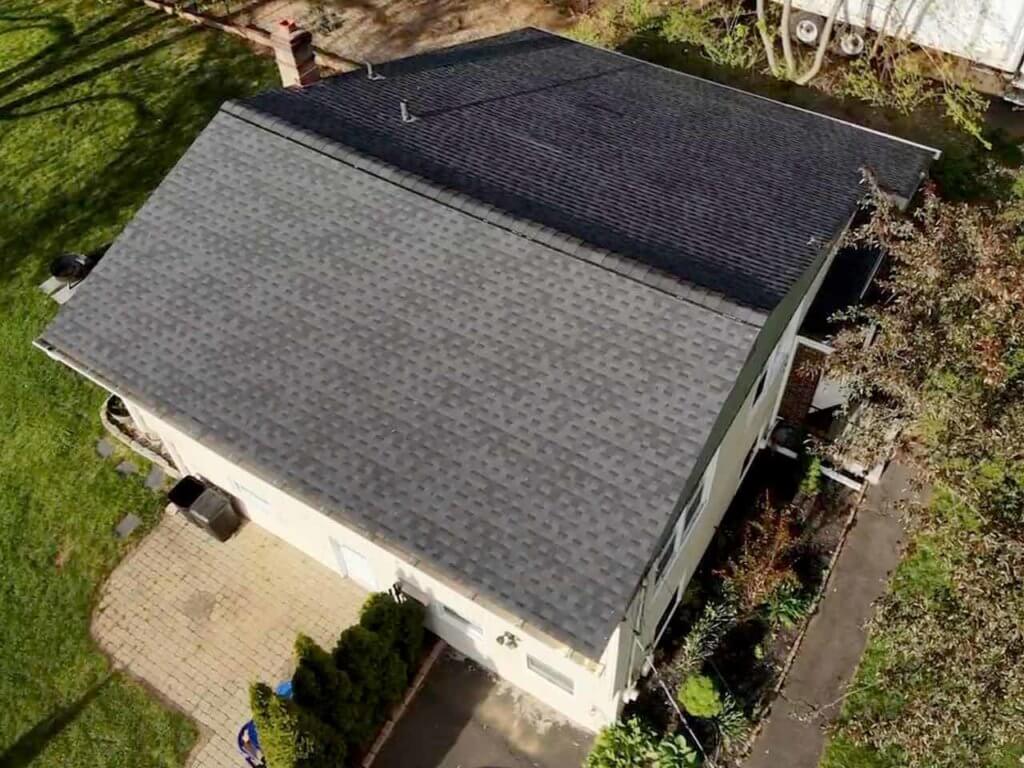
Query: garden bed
x=743 y=615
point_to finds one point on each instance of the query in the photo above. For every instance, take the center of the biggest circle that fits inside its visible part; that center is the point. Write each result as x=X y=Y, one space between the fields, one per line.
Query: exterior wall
x=592 y=703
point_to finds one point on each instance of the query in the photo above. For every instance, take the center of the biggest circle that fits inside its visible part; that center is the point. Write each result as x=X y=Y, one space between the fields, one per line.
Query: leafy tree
x=947 y=355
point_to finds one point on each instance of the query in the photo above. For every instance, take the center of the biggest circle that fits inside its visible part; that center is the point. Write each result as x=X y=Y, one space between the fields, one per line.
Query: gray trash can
x=205 y=506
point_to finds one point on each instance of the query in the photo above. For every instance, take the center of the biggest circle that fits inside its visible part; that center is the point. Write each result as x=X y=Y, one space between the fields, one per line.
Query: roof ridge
x=568 y=245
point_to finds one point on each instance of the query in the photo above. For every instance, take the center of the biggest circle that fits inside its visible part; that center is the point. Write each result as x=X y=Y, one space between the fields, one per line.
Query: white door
x=354 y=565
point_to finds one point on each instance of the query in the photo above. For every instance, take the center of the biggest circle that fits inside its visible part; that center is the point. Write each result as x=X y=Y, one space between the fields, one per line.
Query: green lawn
x=940 y=683
x=97 y=101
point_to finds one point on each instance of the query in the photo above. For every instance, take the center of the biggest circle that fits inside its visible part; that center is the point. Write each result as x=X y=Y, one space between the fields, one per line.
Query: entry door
x=354 y=565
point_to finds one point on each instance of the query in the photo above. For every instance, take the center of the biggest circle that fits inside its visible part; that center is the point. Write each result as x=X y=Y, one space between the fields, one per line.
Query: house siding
x=592 y=703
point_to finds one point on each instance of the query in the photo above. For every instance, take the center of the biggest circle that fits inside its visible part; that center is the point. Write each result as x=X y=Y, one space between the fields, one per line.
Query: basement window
x=550 y=674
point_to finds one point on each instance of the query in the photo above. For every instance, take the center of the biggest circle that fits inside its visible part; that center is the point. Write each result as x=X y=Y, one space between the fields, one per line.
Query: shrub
x=327 y=691
x=378 y=675
x=291 y=737
x=400 y=625
x=787 y=606
x=341 y=697
x=702 y=640
x=765 y=558
x=699 y=696
x=810 y=484
x=622 y=745
x=675 y=752
x=633 y=745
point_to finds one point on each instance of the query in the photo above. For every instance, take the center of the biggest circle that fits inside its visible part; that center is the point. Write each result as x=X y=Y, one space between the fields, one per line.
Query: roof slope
x=511 y=413
x=727 y=190
x=464 y=372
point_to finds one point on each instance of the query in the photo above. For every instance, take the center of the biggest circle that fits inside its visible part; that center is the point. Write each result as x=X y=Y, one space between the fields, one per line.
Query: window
x=759 y=390
x=690 y=513
x=666 y=617
x=461 y=622
x=550 y=674
x=749 y=459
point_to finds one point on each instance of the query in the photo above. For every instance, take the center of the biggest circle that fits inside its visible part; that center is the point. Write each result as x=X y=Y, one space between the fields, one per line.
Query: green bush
x=400 y=625
x=341 y=698
x=787 y=606
x=699 y=696
x=633 y=745
x=291 y=737
x=810 y=483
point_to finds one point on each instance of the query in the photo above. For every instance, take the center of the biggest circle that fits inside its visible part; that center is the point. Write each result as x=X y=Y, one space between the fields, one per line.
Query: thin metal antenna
x=406 y=117
x=370 y=74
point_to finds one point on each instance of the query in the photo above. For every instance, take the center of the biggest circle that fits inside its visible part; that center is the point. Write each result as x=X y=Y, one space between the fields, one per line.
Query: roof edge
x=574 y=649
x=936 y=153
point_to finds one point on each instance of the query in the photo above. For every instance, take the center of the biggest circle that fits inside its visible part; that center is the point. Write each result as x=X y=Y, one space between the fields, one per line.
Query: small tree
x=291 y=737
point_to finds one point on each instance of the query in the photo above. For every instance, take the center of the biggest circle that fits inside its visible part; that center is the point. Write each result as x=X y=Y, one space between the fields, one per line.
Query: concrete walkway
x=199 y=621
x=794 y=735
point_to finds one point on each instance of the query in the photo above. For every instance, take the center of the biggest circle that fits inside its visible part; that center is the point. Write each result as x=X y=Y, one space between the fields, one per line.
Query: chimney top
x=293 y=49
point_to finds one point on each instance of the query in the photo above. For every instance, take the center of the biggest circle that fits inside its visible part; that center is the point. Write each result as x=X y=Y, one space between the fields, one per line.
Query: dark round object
x=116 y=407
x=71 y=266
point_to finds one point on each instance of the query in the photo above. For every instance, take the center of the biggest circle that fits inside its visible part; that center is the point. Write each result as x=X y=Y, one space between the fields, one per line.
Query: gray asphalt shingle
x=516 y=415
x=452 y=333
x=729 y=191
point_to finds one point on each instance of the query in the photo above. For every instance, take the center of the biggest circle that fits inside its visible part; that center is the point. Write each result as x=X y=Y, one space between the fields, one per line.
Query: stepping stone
x=128 y=524
x=126 y=468
x=155 y=479
x=105 y=448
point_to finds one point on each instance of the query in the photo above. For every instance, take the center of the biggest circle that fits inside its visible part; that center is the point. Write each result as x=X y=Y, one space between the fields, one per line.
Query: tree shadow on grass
x=31 y=744
x=191 y=89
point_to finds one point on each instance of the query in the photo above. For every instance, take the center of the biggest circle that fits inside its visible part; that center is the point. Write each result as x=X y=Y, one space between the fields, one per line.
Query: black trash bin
x=205 y=506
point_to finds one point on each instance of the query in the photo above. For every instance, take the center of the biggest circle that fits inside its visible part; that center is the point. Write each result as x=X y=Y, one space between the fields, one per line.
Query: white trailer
x=987 y=35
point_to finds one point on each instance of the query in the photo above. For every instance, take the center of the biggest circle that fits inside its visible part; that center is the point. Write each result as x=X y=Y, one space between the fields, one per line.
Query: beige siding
x=591 y=705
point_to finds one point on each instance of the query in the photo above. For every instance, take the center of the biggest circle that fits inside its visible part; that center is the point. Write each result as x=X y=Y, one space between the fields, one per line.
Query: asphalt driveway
x=465 y=717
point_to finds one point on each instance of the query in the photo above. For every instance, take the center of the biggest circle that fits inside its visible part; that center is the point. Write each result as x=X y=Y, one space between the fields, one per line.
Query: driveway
x=465 y=717
x=199 y=621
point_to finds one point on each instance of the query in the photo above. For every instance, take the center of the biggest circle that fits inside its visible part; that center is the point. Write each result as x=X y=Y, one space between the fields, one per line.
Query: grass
x=938 y=683
x=97 y=101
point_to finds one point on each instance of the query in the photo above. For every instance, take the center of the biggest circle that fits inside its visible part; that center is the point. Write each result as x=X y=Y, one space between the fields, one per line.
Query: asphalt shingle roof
x=515 y=415
x=727 y=190
x=423 y=329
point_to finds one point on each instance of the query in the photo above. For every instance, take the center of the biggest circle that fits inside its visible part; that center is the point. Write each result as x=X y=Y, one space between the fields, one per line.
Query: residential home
x=503 y=324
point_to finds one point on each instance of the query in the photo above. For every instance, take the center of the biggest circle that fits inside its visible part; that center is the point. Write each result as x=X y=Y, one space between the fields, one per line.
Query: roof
x=503 y=399
x=727 y=190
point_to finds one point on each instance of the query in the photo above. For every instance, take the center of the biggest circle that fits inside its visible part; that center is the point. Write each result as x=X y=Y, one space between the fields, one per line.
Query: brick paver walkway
x=199 y=620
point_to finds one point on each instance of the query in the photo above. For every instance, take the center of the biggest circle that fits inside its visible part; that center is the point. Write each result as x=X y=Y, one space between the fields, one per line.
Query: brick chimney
x=293 y=49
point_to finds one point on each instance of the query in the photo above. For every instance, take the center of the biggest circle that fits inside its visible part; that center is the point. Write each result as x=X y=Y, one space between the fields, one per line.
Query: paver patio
x=199 y=620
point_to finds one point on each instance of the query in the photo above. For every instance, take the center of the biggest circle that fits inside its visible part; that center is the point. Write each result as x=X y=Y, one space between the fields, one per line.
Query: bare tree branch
x=766 y=40
x=787 y=41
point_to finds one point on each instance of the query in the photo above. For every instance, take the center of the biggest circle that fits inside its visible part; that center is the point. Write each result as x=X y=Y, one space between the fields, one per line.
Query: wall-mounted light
x=508 y=639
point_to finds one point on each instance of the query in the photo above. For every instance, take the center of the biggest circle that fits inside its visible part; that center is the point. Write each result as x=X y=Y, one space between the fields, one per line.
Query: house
x=503 y=324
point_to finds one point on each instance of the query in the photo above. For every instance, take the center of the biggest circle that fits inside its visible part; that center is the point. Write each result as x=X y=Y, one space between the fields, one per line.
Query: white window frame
x=547 y=672
x=694 y=508
x=456 y=619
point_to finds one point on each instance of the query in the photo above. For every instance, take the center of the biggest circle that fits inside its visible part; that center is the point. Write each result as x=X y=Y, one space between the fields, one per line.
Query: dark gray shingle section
x=726 y=190
x=519 y=417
